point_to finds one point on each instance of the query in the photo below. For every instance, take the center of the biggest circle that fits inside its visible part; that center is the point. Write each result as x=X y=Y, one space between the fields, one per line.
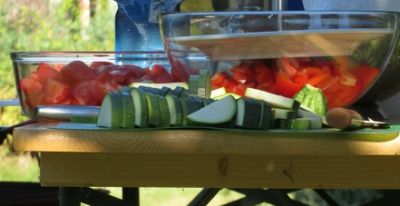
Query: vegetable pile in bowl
x=343 y=53
x=341 y=81
x=82 y=78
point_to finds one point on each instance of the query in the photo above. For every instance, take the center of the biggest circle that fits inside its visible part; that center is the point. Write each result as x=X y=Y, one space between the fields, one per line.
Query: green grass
x=19 y=167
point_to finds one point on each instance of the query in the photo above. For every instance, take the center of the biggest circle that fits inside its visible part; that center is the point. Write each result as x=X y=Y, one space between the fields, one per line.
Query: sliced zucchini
x=236 y=96
x=153 y=106
x=165 y=119
x=296 y=124
x=179 y=91
x=141 y=108
x=175 y=109
x=248 y=113
x=208 y=101
x=218 y=92
x=266 y=117
x=111 y=111
x=164 y=91
x=190 y=104
x=312 y=99
x=128 y=117
x=218 y=112
x=151 y=90
x=272 y=99
x=283 y=114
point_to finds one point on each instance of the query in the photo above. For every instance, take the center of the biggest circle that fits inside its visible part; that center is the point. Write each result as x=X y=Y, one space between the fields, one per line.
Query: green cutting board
x=365 y=134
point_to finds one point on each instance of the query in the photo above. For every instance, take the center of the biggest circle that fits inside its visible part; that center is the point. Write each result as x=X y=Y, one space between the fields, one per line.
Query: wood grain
x=40 y=139
x=211 y=158
x=229 y=170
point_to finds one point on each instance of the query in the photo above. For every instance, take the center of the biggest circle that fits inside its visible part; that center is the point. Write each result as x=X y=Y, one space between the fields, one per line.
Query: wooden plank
x=214 y=170
x=373 y=142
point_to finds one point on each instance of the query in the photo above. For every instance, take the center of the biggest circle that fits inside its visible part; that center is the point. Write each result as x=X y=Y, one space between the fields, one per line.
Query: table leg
x=131 y=196
x=204 y=197
x=70 y=196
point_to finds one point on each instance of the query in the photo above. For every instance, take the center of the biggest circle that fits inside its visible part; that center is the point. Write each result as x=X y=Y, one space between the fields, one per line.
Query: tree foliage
x=47 y=25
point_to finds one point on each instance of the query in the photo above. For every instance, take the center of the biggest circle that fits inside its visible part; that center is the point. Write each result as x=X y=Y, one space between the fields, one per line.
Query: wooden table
x=214 y=158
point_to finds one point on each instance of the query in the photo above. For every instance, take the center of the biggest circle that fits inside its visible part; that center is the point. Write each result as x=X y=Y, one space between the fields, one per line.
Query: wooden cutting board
x=365 y=134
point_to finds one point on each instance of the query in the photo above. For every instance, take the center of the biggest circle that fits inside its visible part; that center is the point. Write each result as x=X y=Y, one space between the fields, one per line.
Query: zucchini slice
x=153 y=106
x=218 y=112
x=248 y=113
x=272 y=99
x=128 y=117
x=111 y=111
x=165 y=118
x=141 y=108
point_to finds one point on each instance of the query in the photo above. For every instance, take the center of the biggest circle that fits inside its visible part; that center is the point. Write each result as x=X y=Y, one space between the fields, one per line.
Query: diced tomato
x=56 y=92
x=288 y=66
x=46 y=72
x=267 y=86
x=120 y=74
x=265 y=75
x=312 y=71
x=229 y=85
x=329 y=86
x=218 y=79
x=33 y=90
x=317 y=80
x=240 y=77
x=164 y=78
x=77 y=71
x=259 y=67
x=284 y=86
x=99 y=90
x=300 y=78
x=365 y=74
x=342 y=62
x=347 y=78
x=346 y=95
x=251 y=84
x=243 y=68
x=324 y=63
x=148 y=77
x=146 y=70
x=179 y=72
x=58 y=67
x=83 y=93
x=97 y=65
x=157 y=69
x=335 y=71
x=138 y=71
x=304 y=62
x=239 y=89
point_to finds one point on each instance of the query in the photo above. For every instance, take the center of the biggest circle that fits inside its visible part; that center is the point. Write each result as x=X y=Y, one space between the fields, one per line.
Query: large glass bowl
x=82 y=78
x=342 y=53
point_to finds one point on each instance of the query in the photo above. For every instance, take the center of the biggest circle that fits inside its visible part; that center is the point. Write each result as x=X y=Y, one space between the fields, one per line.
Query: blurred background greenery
x=85 y=25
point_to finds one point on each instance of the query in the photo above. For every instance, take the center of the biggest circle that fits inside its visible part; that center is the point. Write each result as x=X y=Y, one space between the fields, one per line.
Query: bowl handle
x=9 y=102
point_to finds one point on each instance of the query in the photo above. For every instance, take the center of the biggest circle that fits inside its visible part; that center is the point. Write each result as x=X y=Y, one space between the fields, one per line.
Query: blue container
x=136 y=27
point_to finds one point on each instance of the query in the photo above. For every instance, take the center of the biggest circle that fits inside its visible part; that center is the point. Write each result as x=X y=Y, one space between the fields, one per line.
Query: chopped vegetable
x=218 y=112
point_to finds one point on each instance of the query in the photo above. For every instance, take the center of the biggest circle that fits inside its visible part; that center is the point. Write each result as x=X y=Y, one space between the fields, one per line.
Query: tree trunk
x=84 y=16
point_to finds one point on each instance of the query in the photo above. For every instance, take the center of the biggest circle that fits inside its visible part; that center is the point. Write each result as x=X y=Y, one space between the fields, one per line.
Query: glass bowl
x=82 y=78
x=342 y=53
